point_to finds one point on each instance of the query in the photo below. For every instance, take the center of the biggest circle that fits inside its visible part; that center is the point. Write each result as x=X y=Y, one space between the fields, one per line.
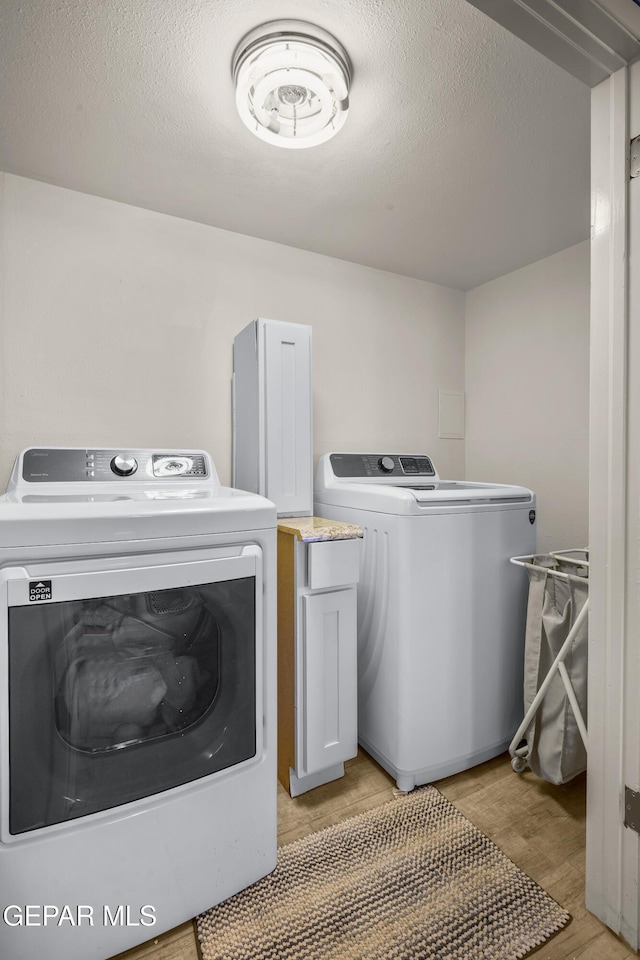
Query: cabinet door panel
x=329 y=706
x=289 y=455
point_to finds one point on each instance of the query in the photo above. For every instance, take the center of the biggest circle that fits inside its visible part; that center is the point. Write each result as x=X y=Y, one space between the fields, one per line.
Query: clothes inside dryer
x=135 y=668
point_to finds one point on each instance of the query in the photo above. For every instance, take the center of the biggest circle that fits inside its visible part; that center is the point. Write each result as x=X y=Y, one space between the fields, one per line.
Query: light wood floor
x=539 y=826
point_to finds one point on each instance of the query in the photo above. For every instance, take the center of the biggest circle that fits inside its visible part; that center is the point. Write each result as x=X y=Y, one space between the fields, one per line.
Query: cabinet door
x=329 y=702
x=288 y=441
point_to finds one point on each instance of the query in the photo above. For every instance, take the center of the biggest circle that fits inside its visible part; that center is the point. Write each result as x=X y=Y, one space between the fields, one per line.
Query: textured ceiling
x=465 y=154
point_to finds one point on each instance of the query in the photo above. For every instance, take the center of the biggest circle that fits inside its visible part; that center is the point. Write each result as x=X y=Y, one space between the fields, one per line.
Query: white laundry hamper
x=552 y=738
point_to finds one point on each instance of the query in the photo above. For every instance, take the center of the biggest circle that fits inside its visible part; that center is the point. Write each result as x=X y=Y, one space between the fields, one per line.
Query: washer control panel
x=381 y=465
x=54 y=465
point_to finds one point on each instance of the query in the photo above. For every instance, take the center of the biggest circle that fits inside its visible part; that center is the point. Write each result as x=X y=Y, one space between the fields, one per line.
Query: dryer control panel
x=57 y=465
x=381 y=465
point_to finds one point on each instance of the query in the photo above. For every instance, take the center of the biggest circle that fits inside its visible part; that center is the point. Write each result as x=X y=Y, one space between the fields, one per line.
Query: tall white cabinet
x=272 y=411
x=317 y=559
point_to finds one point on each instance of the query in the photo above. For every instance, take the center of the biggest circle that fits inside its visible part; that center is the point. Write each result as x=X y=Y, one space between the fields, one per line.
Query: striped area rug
x=411 y=880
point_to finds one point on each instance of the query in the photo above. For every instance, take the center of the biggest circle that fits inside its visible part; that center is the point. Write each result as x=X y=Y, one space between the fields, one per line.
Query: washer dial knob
x=386 y=464
x=124 y=466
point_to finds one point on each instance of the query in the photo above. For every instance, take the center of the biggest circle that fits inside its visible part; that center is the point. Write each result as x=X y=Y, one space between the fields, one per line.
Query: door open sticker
x=40 y=590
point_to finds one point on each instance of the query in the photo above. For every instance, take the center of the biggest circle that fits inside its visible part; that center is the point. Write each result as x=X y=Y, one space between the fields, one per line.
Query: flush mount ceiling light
x=292 y=83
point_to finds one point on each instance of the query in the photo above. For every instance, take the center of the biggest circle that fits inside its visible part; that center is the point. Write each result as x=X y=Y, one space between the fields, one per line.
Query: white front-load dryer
x=441 y=611
x=137 y=698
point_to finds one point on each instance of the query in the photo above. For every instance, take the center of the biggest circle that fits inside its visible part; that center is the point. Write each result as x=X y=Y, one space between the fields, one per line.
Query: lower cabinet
x=317 y=659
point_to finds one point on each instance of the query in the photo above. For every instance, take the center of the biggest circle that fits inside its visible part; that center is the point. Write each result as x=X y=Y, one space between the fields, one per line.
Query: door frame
x=613 y=850
x=599 y=43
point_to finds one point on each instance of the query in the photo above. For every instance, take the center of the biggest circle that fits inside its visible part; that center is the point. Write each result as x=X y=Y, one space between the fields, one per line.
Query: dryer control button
x=124 y=466
x=386 y=464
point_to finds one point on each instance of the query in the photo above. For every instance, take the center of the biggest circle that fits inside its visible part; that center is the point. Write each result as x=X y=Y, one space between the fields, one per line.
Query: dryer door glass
x=116 y=698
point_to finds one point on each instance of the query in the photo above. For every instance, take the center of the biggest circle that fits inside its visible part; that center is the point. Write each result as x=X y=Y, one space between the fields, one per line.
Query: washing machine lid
x=405 y=484
x=88 y=495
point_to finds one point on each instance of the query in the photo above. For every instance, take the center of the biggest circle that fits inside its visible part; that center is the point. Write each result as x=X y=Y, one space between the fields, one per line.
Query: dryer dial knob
x=386 y=464
x=124 y=466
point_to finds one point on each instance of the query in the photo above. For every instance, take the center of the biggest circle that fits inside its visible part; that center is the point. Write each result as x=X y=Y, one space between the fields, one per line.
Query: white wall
x=116 y=329
x=527 y=389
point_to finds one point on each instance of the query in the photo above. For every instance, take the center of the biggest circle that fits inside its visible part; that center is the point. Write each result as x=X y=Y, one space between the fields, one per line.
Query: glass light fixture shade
x=292 y=83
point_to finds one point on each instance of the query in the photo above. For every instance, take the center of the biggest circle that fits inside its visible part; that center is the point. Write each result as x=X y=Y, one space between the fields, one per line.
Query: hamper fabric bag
x=555 y=750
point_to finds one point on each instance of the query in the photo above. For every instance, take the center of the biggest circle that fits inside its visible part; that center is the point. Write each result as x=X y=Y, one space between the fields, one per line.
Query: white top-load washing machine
x=441 y=611
x=137 y=698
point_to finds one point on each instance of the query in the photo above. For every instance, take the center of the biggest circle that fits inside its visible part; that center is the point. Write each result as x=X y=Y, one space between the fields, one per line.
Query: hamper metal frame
x=567 y=557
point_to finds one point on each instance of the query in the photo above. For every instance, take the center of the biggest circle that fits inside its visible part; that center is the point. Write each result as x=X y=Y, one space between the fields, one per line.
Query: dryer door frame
x=114 y=576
